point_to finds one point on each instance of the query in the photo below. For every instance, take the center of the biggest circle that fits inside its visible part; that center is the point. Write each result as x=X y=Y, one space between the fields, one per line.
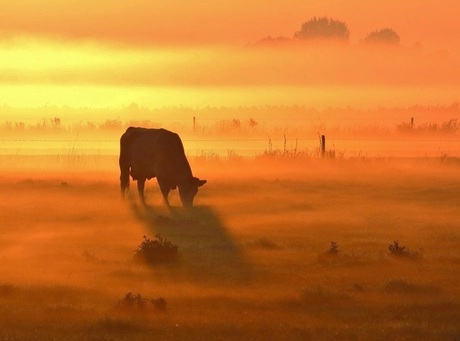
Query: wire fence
x=247 y=147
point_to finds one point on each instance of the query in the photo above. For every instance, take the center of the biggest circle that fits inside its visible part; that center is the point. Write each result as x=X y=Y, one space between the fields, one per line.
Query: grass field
x=273 y=250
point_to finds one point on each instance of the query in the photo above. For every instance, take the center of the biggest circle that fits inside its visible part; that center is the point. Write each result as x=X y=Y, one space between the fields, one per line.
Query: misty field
x=274 y=250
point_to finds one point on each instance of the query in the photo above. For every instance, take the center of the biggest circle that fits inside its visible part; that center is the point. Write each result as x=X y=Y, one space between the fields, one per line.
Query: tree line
x=329 y=29
x=256 y=127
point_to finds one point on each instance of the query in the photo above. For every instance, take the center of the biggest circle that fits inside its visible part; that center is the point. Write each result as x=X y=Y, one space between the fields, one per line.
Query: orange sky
x=238 y=21
x=107 y=52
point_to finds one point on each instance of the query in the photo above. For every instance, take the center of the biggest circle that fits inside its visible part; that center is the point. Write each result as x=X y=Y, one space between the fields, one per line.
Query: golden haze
x=109 y=54
x=358 y=241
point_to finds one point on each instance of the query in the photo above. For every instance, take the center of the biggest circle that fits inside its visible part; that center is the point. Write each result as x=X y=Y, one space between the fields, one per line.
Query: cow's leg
x=165 y=191
x=140 y=188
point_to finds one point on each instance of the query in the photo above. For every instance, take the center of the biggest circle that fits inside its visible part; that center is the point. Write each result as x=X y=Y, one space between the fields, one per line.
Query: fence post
x=412 y=123
x=323 y=145
x=194 y=124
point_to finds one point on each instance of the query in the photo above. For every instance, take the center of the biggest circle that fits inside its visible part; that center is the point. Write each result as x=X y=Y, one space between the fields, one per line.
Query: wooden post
x=194 y=124
x=323 y=145
x=412 y=123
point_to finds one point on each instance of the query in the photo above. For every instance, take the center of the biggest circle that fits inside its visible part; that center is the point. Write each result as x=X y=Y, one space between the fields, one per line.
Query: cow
x=146 y=153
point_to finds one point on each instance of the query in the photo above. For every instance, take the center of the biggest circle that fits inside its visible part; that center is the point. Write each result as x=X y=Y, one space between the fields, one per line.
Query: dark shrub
x=155 y=251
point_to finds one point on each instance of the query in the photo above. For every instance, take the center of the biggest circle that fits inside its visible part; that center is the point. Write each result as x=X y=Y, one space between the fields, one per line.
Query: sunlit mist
x=36 y=73
x=328 y=133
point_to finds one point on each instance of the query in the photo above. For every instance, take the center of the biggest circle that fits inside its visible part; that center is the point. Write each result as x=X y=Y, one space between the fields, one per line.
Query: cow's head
x=188 y=190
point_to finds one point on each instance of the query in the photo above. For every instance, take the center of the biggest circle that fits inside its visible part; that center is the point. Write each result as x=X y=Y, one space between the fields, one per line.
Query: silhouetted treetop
x=383 y=36
x=323 y=29
x=271 y=40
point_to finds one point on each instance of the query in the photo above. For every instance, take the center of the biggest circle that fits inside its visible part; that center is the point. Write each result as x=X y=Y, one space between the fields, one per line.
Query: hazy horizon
x=325 y=76
x=109 y=55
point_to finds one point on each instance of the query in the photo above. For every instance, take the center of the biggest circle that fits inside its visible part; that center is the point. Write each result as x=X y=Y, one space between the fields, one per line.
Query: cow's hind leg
x=140 y=188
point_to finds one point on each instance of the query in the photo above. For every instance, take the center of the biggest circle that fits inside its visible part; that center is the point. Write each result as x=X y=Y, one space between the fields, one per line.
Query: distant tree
x=271 y=41
x=383 y=36
x=323 y=29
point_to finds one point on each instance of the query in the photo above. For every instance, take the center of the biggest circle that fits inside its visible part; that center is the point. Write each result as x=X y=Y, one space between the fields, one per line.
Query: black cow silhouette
x=149 y=153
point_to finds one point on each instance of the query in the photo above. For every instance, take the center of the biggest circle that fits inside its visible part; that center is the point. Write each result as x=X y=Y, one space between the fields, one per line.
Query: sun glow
x=85 y=74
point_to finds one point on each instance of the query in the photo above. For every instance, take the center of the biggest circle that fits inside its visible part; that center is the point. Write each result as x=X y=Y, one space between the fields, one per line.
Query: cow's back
x=155 y=153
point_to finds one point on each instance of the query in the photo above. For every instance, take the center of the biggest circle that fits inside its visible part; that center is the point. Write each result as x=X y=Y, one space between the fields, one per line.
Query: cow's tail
x=124 y=166
x=124 y=176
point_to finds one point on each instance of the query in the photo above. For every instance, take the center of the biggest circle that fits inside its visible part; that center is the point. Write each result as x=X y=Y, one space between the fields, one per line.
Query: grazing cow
x=149 y=153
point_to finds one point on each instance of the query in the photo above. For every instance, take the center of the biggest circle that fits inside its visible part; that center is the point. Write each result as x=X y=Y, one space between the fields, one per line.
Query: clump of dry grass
x=156 y=251
x=335 y=257
x=334 y=249
x=331 y=254
x=136 y=303
x=397 y=250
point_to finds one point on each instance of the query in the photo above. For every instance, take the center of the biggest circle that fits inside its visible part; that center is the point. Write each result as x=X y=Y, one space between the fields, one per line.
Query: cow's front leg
x=165 y=191
x=140 y=188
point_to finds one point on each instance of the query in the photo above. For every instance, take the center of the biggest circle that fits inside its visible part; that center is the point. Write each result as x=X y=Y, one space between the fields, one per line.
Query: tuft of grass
x=335 y=257
x=330 y=254
x=156 y=251
x=334 y=249
x=398 y=250
x=136 y=303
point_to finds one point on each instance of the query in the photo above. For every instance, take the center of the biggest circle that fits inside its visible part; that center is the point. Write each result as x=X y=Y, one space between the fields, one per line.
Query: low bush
x=136 y=303
x=156 y=251
x=397 y=250
x=334 y=249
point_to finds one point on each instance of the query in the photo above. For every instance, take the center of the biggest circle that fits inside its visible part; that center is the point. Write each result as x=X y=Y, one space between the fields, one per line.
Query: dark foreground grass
x=256 y=259
x=316 y=314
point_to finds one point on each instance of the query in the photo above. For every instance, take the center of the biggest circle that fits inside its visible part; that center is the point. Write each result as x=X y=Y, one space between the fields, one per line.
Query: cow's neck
x=184 y=172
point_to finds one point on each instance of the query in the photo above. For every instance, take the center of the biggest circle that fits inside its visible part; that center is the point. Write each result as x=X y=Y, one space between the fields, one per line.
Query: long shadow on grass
x=207 y=251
